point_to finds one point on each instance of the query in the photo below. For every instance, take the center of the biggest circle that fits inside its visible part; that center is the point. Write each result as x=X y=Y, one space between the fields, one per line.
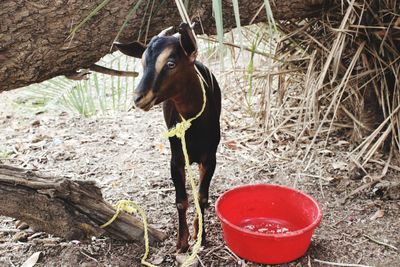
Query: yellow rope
x=179 y=131
x=132 y=207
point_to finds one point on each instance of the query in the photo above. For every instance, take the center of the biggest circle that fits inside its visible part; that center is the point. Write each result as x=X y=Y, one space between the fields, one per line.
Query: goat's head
x=166 y=60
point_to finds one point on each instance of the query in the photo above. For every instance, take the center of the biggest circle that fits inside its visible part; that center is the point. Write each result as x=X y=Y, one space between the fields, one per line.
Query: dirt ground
x=128 y=158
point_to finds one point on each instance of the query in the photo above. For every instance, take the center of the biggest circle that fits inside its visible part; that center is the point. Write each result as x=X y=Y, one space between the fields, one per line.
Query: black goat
x=169 y=76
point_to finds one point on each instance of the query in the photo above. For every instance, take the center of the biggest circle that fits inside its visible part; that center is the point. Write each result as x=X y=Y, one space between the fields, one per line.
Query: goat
x=169 y=76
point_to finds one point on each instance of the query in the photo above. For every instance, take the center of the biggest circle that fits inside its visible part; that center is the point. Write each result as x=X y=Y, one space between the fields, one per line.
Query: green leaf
x=238 y=24
x=217 y=8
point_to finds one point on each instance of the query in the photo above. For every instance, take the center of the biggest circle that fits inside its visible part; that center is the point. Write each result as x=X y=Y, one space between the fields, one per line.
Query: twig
x=104 y=70
x=4 y=230
x=341 y=264
x=90 y=257
x=381 y=242
x=201 y=263
x=309 y=162
x=159 y=190
x=361 y=188
x=374 y=180
x=359 y=165
x=212 y=250
x=244 y=47
x=383 y=164
x=234 y=255
x=313 y=176
x=12 y=264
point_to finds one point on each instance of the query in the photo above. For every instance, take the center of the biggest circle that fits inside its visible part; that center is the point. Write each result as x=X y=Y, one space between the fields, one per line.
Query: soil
x=128 y=157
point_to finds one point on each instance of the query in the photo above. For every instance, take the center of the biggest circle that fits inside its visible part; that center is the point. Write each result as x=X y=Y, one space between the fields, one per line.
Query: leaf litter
x=127 y=156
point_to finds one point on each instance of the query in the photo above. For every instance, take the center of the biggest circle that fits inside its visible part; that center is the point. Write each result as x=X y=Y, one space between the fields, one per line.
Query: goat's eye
x=171 y=64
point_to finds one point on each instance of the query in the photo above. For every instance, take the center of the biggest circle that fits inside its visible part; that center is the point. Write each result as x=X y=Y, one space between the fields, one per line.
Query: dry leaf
x=160 y=147
x=339 y=165
x=32 y=260
x=231 y=145
x=378 y=214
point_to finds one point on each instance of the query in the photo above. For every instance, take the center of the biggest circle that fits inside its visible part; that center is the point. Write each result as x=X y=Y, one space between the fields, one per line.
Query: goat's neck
x=188 y=102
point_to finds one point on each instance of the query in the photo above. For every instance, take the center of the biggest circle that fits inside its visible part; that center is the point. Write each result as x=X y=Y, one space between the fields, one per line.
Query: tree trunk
x=65 y=208
x=34 y=44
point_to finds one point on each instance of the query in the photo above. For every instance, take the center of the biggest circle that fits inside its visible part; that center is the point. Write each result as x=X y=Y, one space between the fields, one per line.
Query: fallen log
x=66 y=208
x=34 y=43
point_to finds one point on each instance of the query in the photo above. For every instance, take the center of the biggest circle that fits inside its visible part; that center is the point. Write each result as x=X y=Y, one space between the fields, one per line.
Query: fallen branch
x=82 y=74
x=65 y=208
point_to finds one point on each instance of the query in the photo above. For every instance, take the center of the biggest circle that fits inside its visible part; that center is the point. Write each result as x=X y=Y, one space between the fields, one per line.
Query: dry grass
x=337 y=72
x=353 y=67
x=347 y=63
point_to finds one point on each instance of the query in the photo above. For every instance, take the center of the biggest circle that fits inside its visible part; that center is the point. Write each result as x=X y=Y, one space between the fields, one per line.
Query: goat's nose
x=138 y=98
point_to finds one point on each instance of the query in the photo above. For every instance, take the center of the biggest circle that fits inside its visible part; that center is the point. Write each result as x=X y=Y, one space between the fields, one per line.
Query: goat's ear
x=188 y=41
x=134 y=49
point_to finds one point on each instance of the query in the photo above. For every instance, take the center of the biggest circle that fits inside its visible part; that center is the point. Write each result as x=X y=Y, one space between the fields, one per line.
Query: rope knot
x=126 y=206
x=179 y=129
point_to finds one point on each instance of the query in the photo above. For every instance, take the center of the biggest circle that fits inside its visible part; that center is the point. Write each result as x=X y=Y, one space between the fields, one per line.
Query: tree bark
x=34 y=44
x=65 y=208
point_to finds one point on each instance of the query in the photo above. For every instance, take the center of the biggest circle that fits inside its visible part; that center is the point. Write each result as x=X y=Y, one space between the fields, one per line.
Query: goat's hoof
x=182 y=248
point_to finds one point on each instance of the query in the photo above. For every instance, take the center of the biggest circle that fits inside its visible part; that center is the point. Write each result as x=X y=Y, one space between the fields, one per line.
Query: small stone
x=35 y=123
x=89 y=264
x=20 y=225
x=180 y=259
x=357 y=173
x=157 y=260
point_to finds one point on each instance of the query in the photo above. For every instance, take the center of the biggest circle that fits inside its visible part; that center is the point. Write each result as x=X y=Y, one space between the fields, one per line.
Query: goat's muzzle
x=145 y=101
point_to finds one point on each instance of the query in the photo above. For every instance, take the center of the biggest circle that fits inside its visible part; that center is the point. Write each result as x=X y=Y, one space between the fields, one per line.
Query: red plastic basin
x=268 y=224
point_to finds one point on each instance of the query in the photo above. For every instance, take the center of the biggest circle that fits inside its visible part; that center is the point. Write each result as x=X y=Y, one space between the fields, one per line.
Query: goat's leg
x=181 y=201
x=206 y=170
